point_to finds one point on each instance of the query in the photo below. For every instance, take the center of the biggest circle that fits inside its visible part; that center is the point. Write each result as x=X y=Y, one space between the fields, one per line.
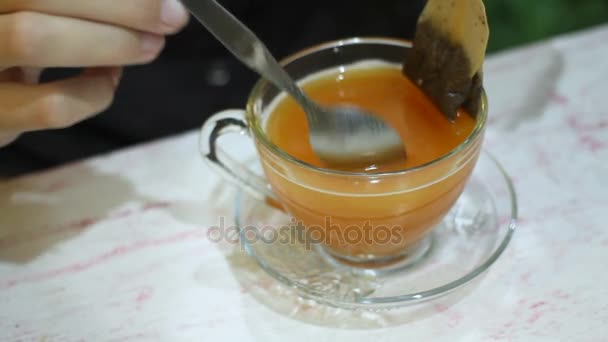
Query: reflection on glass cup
x=373 y=218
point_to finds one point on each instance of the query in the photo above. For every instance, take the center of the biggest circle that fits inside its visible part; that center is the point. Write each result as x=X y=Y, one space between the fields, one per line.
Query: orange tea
x=382 y=89
x=362 y=216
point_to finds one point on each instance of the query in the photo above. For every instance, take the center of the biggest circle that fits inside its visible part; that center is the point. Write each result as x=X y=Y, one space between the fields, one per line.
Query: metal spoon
x=339 y=135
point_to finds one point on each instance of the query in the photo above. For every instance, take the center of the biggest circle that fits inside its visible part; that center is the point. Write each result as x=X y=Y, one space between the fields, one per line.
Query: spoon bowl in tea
x=339 y=135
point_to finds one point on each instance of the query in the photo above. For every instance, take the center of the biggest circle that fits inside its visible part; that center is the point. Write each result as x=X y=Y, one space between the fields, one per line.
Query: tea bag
x=447 y=57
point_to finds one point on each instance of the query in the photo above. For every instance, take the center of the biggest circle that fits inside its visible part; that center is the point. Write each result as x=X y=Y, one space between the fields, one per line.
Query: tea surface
x=381 y=89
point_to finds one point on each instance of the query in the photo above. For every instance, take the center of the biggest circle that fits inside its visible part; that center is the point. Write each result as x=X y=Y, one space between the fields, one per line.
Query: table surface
x=114 y=248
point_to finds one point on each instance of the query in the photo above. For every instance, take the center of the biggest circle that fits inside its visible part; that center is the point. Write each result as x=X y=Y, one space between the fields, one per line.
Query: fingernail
x=173 y=14
x=151 y=44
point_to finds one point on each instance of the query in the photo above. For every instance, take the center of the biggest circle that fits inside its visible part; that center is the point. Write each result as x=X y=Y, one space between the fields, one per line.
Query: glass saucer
x=469 y=240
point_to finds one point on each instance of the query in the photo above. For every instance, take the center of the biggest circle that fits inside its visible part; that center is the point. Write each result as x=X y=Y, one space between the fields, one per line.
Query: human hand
x=100 y=36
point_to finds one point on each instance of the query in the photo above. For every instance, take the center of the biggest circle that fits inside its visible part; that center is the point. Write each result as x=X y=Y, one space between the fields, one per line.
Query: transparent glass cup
x=363 y=219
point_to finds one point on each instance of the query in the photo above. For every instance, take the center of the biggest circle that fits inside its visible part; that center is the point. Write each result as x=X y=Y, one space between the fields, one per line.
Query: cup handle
x=228 y=122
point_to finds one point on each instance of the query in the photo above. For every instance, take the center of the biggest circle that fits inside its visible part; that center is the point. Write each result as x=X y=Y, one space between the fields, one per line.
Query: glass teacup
x=360 y=218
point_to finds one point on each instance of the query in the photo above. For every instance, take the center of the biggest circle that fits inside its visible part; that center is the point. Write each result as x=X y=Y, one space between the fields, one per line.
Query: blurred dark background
x=196 y=77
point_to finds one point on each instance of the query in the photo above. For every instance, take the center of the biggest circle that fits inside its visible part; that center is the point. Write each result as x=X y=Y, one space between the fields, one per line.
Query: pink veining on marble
x=143 y=295
x=454 y=317
x=559 y=99
x=537 y=312
x=575 y=122
x=108 y=256
x=559 y=294
x=538 y=304
x=592 y=143
x=525 y=278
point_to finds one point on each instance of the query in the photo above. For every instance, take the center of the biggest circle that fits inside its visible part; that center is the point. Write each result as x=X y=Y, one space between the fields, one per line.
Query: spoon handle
x=244 y=45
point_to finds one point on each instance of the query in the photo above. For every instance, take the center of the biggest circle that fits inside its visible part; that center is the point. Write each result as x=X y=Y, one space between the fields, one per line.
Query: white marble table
x=115 y=248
